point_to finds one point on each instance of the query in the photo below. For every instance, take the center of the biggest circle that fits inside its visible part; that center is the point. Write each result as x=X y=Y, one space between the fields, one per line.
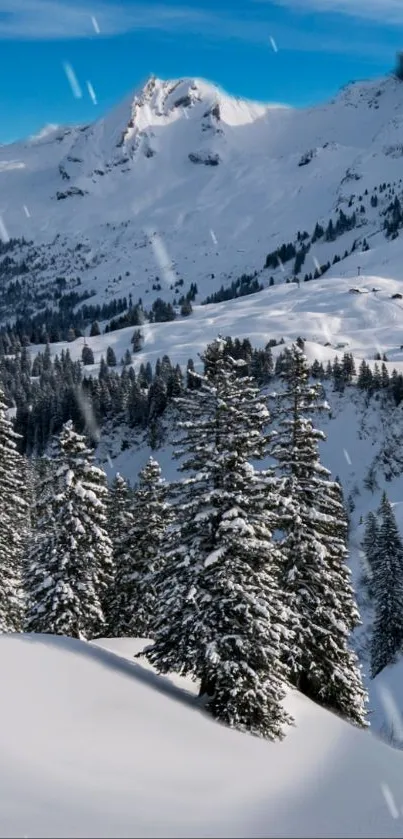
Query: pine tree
x=370 y=549
x=95 y=330
x=221 y=617
x=137 y=340
x=186 y=308
x=87 y=355
x=70 y=567
x=387 y=588
x=110 y=357
x=151 y=516
x=14 y=521
x=139 y=524
x=315 y=578
x=120 y=521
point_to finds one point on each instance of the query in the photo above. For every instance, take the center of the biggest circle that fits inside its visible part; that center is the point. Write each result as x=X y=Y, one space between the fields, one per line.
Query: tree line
x=46 y=391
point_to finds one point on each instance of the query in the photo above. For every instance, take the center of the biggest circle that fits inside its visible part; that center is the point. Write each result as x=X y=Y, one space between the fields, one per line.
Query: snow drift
x=94 y=745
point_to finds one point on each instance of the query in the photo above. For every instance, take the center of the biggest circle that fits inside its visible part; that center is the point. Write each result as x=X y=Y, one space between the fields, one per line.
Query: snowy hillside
x=183 y=182
x=97 y=746
x=326 y=313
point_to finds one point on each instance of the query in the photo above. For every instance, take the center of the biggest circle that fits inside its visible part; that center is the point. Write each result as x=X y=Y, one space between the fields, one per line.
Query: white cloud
x=383 y=11
x=54 y=19
x=62 y=19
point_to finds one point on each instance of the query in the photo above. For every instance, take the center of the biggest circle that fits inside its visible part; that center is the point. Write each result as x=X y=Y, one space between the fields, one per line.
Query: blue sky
x=116 y=44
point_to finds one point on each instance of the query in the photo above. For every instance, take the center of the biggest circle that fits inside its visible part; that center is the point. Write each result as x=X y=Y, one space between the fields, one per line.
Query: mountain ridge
x=183 y=184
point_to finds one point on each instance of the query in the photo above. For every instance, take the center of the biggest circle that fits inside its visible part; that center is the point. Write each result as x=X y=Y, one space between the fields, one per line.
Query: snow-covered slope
x=92 y=745
x=325 y=312
x=181 y=181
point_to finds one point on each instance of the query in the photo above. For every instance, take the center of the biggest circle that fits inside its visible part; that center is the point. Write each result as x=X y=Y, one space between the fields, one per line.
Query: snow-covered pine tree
x=139 y=520
x=315 y=578
x=370 y=549
x=387 y=589
x=121 y=519
x=91 y=488
x=152 y=516
x=222 y=620
x=42 y=574
x=14 y=522
x=339 y=669
x=70 y=571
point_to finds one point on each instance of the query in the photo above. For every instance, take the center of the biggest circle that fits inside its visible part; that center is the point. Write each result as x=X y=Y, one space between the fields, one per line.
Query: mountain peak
x=167 y=95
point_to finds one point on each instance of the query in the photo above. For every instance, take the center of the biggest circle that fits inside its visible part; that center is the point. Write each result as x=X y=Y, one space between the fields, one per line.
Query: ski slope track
x=96 y=745
x=182 y=181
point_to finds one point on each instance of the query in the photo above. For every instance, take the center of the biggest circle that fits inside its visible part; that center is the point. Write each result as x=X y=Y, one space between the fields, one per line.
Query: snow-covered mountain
x=183 y=182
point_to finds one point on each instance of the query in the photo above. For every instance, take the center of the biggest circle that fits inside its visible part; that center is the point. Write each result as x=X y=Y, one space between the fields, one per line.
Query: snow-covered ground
x=94 y=745
x=333 y=320
x=324 y=312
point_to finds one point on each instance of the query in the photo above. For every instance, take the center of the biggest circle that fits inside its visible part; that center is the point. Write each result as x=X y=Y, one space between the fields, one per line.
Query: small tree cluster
x=238 y=609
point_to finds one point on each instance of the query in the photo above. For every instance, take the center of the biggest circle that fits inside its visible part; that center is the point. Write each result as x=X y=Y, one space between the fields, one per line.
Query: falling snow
x=3 y=232
x=392 y=713
x=95 y=24
x=214 y=237
x=317 y=264
x=325 y=329
x=88 y=414
x=26 y=211
x=72 y=78
x=390 y=801
x=162 y=258
x=347 y=456
x=273 y=44
x=91 y=92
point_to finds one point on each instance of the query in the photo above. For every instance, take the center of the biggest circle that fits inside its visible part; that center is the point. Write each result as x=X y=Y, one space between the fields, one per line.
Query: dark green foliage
x=87 y=355
x=110 y=357
x=315 y=578
x=280 y=256
x=399 y=66
x=244 y=285
x=137 y=340
x=162 y=311
x=139 y=520
x=186 y=308
x=370 y=550
x=299 y=260
x=220 y=619
x=95 y=330
x=14 y=525
x=393 y=218
x=387 y=591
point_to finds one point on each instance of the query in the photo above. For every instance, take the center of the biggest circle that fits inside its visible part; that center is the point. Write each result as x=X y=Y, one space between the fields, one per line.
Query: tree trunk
x=206 y=687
